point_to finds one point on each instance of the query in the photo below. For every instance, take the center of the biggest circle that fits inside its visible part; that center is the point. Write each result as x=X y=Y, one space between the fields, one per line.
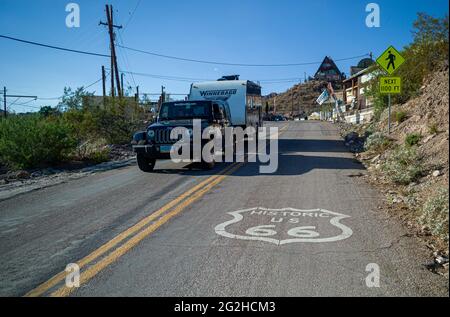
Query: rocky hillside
x=300 y=98
x=411 y=165
x=428 y=117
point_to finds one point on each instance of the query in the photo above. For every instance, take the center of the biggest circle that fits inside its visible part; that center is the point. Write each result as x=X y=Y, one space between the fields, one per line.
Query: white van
x=242 y=96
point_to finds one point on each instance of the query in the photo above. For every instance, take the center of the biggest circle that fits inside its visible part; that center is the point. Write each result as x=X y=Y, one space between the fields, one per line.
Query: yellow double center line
x=137 y=232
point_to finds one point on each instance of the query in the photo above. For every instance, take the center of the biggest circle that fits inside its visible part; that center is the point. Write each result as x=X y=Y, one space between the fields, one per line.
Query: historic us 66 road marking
x=284 y=226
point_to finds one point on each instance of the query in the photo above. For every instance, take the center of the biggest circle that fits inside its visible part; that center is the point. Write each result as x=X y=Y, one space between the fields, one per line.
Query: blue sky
x=235 y=31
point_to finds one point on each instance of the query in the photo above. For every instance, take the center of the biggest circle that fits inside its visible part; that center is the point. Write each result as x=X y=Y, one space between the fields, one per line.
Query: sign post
x=390 y=85
x=390 y=61
x=389 y=114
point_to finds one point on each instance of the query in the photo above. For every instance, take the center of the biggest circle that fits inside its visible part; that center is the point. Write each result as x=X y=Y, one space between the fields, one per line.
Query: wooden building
x=354 y=87
x=329 y=72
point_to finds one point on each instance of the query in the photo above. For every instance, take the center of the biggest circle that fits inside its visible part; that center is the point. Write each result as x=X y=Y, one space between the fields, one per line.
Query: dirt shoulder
x=13 y=183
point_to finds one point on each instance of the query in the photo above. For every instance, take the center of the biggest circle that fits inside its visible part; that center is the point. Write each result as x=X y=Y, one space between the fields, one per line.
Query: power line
x=96 y=82
x=84 y=87
x=125 y=58
x=53 y=47
x=11 y=104
x=174 y=57
x=132 y=14
x=20 y=104
x=174 y=78
x=234 y=64
x=5 y=96
x=25 y=105
x=190 y=79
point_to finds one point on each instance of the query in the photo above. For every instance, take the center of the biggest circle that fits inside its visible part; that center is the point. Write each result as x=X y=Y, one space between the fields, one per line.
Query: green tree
x=430 y=47
x=47 y=111
x=73 y=100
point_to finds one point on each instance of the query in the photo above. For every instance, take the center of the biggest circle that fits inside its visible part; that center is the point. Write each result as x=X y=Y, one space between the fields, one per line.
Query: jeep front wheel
x=145 y=164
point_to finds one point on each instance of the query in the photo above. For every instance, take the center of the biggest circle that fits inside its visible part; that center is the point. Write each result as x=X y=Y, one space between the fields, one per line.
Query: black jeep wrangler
x=156 y=143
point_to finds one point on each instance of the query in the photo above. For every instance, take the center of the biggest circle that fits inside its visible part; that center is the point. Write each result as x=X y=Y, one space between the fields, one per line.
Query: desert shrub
x=32 y=141
x=434 y=213
x=95 y=151
x=77 y=128
x=413 y=139
x=403 y=166
x=433 y=128
x=400 y=116
x=114 y=122
x=377 y=142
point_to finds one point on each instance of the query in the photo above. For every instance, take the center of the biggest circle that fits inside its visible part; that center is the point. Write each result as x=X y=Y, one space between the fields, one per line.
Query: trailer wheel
x=145 y=164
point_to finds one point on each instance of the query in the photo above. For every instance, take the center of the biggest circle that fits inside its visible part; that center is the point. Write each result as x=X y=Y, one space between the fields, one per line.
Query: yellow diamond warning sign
x=390 y=85
x=390 y=60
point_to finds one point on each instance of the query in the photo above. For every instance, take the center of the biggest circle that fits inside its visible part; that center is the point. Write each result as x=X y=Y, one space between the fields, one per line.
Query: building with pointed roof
x=328 y=71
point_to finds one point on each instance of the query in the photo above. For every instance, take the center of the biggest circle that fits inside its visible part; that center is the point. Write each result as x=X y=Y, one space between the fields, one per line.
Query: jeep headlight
x=151 y=134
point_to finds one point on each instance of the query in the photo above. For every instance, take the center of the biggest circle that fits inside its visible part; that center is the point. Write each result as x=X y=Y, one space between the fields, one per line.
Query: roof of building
x=366 y=62
x=359 y=74
x=328 y=68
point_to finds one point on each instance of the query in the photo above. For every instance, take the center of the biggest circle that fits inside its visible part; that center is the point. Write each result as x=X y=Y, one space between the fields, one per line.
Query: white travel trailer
x=242 y=96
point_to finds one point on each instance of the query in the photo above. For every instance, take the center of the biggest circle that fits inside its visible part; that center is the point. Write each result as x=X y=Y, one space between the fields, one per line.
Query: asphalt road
x=173 y=233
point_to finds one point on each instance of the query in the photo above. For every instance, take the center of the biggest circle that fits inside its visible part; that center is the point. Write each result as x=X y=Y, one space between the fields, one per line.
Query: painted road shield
x=390 y=60
x=285 y=226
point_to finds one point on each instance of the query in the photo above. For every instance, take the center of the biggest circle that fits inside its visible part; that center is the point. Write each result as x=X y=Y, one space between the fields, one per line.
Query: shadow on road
x=292 y=160
x=310 y=145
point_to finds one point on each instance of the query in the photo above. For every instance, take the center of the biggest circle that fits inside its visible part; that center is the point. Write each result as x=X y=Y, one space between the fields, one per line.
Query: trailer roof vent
x=231 y=77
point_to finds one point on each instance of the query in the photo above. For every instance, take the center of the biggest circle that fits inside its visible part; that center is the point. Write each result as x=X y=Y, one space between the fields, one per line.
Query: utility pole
x=113 y=89
x=389 y=114
x=121 y=82
x=163 y=94
x=163 y=97
x=104 y=85
x=137 y=94
x=13 y=96
x=104 y=82
x=4 y=101
x=114 y=67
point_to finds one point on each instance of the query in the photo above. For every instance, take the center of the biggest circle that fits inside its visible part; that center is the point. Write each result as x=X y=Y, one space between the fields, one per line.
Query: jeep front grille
x=162 y=136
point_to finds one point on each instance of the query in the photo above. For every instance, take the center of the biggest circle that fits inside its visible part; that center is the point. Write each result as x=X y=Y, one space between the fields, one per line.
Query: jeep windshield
x=185 y=110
